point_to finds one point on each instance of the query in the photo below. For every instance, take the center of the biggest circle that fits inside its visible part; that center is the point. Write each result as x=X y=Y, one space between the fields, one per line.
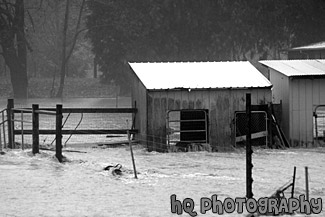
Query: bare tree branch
x=77 y=30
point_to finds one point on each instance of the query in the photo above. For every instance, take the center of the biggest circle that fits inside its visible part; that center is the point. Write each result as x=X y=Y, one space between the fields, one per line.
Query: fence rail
x=81 y=110
x=35 y=111
x=80 y=132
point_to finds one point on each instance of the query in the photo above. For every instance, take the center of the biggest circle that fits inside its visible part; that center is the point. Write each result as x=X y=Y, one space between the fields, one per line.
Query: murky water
x=40 y=186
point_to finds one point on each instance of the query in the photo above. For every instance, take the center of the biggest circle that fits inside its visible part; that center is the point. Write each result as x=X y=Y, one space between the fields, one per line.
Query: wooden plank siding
x=139 y=100
x=221 y=104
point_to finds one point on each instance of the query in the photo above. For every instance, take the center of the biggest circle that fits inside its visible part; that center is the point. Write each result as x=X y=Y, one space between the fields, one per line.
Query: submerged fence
x=35 y=121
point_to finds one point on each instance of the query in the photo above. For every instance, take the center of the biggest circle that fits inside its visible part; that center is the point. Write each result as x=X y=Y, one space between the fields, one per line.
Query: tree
x=123 y=31
x=66 y=57
x=14 y=44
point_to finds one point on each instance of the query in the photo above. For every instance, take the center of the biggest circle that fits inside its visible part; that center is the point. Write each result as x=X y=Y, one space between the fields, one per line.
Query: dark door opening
x=187 y=126
x=193 y=126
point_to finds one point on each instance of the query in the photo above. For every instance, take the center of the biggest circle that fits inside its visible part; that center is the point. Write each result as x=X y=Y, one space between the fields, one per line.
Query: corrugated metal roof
x=290 y=68
x=314 y=46
x=172 y=75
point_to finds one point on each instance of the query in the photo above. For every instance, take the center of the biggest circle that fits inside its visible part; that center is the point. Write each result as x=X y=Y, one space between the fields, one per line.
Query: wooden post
x=58 y=135
x=11 y=137
x=270 y=112
x=131 y=150
x=22 y=129
x=293 y=182
x=249 y=152
x=307 y=184
x=4 y=130
x=35 y=148
x=0 y=141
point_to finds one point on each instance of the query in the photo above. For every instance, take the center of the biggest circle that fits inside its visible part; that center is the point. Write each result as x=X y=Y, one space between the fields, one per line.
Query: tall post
x=307 y=184
x=22 y=129
x=11 y=137
x=293 y=182
x=0 y=142
x=270 y=120
x=249 y=151
x=58 y=136
x=131 y=150
x=35 y=148
x=4 y=130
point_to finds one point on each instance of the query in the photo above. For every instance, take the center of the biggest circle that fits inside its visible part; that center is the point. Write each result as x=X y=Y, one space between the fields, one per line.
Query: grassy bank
x=74 y=87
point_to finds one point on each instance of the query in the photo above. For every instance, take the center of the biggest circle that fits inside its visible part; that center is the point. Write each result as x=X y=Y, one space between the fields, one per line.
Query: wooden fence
x=58 y=131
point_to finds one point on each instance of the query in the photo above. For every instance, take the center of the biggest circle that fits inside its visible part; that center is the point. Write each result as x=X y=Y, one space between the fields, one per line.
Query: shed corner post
x=10 y=117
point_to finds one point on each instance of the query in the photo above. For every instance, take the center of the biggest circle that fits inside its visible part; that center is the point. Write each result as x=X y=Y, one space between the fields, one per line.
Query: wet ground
x=40 y=186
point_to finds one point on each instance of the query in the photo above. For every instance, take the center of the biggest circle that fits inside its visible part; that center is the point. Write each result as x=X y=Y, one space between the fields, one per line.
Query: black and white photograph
x=150 y=108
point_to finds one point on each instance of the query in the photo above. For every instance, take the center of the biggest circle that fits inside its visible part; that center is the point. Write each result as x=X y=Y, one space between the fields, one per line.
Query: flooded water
x=40 y=186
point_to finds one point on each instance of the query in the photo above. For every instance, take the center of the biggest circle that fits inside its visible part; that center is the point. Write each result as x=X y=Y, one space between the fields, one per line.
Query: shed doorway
x=187 y=126
x=259 y=128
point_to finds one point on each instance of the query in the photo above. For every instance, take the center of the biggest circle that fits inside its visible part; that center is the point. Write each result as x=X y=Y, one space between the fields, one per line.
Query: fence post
x=269 y=118
x=35 y=129
x=0 y=141
x=4 y=130
x=307 y=183
x=11 y=136
x=22 y=129
x=131 y=150
x=249 y=151
x=58 y=136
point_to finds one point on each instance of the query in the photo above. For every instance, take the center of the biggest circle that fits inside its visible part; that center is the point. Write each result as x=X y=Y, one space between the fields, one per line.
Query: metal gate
x=187 y=125
x=259 y=128
x=319 y=124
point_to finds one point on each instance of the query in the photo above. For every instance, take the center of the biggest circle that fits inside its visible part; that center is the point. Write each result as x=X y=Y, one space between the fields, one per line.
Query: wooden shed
x=300 y=86
x=193 y=101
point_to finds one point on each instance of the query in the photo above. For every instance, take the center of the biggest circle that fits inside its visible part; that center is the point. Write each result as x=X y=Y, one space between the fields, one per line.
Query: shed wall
x=280 y=94
x=139 y=100
x=221 y=103
x=305 y=95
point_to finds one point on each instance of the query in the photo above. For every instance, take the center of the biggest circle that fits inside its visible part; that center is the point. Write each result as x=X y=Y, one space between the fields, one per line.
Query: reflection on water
x=40 y=186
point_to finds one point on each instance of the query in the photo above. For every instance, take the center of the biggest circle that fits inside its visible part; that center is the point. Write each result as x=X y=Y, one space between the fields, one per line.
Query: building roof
x=290 y=68
x=314 y=46
x=174 y=75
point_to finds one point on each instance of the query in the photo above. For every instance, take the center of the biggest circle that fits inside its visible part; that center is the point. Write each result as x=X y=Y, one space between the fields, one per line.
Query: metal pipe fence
x=319 y=124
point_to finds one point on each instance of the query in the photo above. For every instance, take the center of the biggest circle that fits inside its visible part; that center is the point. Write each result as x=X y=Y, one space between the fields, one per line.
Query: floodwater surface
x=40 y=186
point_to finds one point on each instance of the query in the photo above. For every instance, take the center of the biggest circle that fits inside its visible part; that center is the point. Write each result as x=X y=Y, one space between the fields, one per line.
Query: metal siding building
x=311 y=51
x=300 y=85
x=219 y=88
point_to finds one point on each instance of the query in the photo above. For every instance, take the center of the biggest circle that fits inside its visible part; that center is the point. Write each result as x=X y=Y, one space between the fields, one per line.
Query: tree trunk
x=63 y=57
x=95 y=66
x=18 y=73
x=16 y=58
x=21 y=47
